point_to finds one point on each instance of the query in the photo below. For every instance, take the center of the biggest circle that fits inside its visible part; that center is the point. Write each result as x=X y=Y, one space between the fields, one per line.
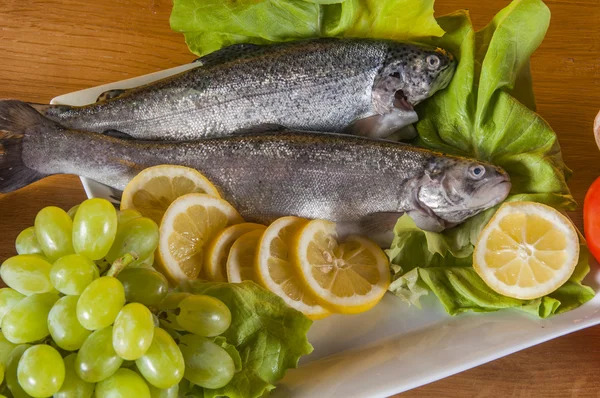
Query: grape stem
x=120 y=264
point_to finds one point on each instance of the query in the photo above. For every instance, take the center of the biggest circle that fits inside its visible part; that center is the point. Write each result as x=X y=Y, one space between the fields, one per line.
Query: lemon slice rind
x=307 y=305
x=324 y=296
x=240 y=262
x=181 y=205
x=142 y=181
x=525 y=250
x=218 y=250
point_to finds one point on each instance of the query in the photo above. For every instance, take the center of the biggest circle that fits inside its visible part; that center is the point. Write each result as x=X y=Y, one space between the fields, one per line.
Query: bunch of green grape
x=85 y=313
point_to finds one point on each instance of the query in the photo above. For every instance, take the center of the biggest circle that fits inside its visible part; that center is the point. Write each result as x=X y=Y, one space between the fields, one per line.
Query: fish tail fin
x=16 y=120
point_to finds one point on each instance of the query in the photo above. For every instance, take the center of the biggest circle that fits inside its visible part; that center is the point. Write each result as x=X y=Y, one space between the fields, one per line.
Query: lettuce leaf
x=456 y=284
x=266 y=335
x=488 y=112
x=209 y=25
x=477 y=116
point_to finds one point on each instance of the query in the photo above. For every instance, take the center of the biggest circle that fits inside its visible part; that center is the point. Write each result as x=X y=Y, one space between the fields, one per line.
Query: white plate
x=393 y=347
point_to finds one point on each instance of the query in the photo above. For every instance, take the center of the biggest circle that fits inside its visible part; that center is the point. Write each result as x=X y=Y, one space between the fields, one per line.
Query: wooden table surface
x=53 y=47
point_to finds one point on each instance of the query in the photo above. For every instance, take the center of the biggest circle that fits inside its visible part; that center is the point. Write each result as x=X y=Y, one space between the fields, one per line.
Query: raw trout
x=318 y=85
x=358 y=181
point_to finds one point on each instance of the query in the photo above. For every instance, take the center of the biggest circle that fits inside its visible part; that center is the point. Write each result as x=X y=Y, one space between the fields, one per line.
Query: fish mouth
x=498 y=192
x=401 y=101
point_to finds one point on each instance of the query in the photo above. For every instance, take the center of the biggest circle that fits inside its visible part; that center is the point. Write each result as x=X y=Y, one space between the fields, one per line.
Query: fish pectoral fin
x=118 y=134
x=110 y=94
x=426 y=221
x=377 y=226
x=261 y=128
x=392 y=126
x=406 y=133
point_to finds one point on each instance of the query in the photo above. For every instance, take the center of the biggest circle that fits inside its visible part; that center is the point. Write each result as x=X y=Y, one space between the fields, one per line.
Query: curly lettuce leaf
x=487 y=112
x=209 y=25
x=477 y=116
x=268 y=335
x=231 y=350
x=456 y=284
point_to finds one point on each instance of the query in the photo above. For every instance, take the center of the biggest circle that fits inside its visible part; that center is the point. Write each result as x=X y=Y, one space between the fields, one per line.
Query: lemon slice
x=347 y=277
x=155 y=188
x=215 y=261
x=188 y=224
x=273 y=268
x=526 y=251
x=240 y=262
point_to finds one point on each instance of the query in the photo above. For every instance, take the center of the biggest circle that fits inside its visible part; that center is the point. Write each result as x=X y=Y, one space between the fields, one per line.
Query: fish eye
x=477 y=172
x=433 y=61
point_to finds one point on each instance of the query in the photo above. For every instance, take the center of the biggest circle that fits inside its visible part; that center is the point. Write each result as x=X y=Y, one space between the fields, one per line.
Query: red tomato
x=591 y=218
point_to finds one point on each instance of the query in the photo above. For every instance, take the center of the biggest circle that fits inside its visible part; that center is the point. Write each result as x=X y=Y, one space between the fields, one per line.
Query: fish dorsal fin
x=229 y=53
x=110 y=94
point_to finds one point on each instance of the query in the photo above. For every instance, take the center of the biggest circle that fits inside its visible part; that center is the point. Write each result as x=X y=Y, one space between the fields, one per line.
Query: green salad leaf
x=450 y=276
x=266 y=336
x=487 y=112
x=209 y=25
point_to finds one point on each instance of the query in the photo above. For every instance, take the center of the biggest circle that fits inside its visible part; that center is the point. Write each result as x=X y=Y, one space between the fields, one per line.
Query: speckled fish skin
x=330 y=176
x=319 y=85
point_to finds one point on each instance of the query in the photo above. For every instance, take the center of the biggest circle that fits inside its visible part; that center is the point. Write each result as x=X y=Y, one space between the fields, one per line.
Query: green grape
x=6 y=347
x=73 y=386
x=203 y=315
x=133 y=331
x=125 y=383
x=100 y=303
x=97 y=359
x=185 y=387
x=144 y=285
x=27 y=274
x=8 y=299
x=94 y=228
x=167 y=308
x=41 y=371
x=206 y=364
x=126 y=215
x=73 y=273
x=2 y=370
x=147 y=262
x=139 y=236
x=72 y=211
x=54 y=231
x=162 y=365
x=26 y=321
x=174 y=334
x=172 y=392
x=11 y=377
x=27 y=243
x=65 y=329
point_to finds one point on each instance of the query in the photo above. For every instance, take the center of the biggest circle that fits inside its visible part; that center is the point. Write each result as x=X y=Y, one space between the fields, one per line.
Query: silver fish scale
x=264 y=176
x=321 y=85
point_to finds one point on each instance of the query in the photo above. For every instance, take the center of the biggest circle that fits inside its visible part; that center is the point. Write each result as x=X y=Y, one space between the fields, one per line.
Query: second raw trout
x=363 y=183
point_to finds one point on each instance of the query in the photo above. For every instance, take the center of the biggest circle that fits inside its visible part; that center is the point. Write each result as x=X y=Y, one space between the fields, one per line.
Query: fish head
x=455 y=189
x=411 y=74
